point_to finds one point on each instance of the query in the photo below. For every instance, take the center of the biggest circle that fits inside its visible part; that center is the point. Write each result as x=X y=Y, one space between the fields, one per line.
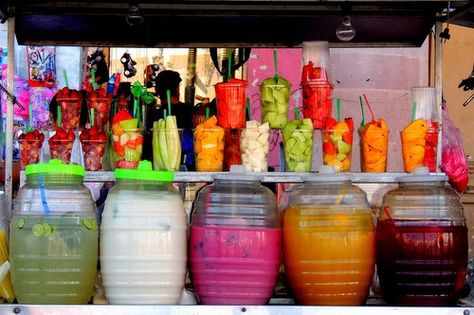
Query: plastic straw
x=362 y=122
x=275 y=63
x=135 y=107
x=92 y=117
x=229 y=65
x=249 y=111
x=386 y=210
x=30 y=117
x=168 y=98
x=297 y=113
x=59 y=117
x=338 y=106
x=164 y=113
x=370 y=108
x=413 y=111
x=65 y=78
x=207 y=113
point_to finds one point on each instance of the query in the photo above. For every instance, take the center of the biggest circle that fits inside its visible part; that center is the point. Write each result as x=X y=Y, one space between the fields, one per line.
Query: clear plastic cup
x=209 y=149
x=231 y=103
x=101 y=106
x=128 y=147
x=373 y=151
x=166 y=145
x=298 y=146
x=94 y=151
x=337 y=148
x=70 y=112
x=419 y=149
x=232 y=155
x=30 y=151
x=317 y=102
x=61 y=149
x=254 y=147
x=275 y=100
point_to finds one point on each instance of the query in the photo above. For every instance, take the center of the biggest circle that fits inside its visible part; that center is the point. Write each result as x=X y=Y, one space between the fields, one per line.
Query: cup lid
x=327 y=173
x=422 y=174
x=144 y=172
x=55 y=166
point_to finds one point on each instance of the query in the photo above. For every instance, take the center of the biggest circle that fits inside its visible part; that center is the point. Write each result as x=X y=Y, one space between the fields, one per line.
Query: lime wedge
x=87 y=223
x=46 y=229
x=95 y=227
x=20 y=223
x=38 y=229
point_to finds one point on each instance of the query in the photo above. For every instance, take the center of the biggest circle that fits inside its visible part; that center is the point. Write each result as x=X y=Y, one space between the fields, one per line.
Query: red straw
x=387 y=212
x=370 y=108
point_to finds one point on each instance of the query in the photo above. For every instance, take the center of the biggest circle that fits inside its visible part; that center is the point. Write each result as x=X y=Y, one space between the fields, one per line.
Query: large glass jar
x=329 y=241
x=143 y=238
x=422 y=247
x=54 y=236
x=235 y=241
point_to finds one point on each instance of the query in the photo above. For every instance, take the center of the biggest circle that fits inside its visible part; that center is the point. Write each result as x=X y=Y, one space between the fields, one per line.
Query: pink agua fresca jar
x=235 y=241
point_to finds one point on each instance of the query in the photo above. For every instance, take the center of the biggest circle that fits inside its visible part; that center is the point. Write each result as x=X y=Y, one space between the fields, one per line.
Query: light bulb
x=345 y=31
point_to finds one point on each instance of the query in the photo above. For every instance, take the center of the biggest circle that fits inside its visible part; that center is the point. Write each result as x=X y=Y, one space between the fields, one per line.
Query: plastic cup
x=298 y=146
x=101 y=107
x=275 y=104
x=30 y=151
x=167 y=149
x=317 y=102
x=61 y=149
x=254 y=147
x=128 y=147
x=373 y=151
x=70 y=112
x=337 y=148
x=232 y=155
x=231 y=103
x=209 y=149
x=419 y=149
x=94 y=151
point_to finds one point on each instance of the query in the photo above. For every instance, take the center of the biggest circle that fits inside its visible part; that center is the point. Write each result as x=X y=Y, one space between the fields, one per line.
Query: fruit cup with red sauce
x=70 y=102
x=30 y=146
x=99 y=101
x=60 y=144
x=93 y=146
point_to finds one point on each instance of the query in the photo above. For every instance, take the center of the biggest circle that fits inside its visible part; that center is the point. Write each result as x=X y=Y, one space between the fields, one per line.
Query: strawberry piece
x=122 y=114
x=70 y=135
x=61 y=133
x=329 y=148
x=331 y=123
x=350 y=123
x=347 y=137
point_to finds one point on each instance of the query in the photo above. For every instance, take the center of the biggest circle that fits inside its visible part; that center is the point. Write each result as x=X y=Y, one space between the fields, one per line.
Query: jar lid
x=327 y=173
x=144 y=172
x=422 y=174
x=55 y=166
x=237 y=172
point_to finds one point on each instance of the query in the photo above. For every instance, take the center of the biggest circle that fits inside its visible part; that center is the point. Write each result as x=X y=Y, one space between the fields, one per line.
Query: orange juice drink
x=329 y=254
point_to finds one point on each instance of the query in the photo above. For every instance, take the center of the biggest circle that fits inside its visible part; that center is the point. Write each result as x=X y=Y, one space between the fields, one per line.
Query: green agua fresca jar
x=53 y=236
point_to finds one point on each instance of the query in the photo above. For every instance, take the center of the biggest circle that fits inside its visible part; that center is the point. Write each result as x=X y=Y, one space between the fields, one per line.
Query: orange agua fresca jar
x=329 y=241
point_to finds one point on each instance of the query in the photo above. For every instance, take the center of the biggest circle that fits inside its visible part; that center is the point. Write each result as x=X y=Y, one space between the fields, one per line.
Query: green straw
x=65 y=77
x=207 y=113
x=362 y=122
x=164 y=113
x=413 y=111
x=249 y=111
x=168 y=97
x=275 y=64
x=59 y=118
x=92 y=117
x=297 y=113
x=229 y=66
x=338 y=106
x=30 y=117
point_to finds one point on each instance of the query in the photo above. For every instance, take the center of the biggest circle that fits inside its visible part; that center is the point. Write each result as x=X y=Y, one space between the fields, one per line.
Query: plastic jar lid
x=237 y=172
x=422 y=174
x=144 y=172
x=55 y=166
x=327 y=173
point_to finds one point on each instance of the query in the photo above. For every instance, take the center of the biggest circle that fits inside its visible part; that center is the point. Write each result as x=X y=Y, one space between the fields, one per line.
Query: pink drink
x=234 y=265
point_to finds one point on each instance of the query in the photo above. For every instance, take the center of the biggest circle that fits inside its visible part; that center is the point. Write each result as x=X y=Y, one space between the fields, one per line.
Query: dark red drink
x=421 y=262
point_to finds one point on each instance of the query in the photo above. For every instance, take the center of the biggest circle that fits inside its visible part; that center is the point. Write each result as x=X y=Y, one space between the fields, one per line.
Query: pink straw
x=370 y=108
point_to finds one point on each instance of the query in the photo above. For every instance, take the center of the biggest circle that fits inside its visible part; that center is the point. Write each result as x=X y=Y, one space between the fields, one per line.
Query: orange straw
x=370 y=108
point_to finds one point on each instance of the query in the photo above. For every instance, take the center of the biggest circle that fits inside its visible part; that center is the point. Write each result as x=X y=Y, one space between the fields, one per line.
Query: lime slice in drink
x=38 y=229
x=87 y=223
x=46 y=229
x=20 y=223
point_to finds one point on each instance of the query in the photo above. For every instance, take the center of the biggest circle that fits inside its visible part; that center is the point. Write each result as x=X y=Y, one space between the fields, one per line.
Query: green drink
x=53 y=258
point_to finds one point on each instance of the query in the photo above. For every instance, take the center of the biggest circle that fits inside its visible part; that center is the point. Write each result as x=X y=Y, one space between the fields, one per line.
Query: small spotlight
x=134 y=16
x=346 y=31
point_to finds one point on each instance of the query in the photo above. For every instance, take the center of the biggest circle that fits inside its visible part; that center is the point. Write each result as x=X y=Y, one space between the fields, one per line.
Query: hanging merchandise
x=128 y=65
x=41 y=66
x=150 y=74
x=54 y=237
x=97 y=72
x=143 y=238
x=453 y=159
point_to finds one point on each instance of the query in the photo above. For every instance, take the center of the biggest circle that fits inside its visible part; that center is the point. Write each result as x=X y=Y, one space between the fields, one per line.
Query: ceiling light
x=346 y=31
x=134 y=16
